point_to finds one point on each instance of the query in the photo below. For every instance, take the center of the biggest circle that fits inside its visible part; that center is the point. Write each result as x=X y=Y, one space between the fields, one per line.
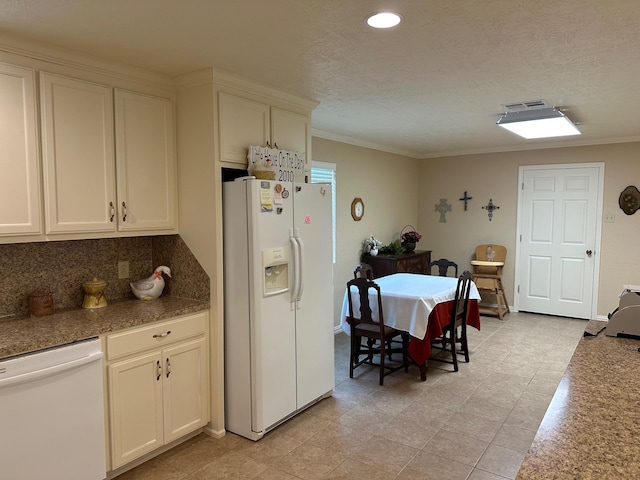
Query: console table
x=411 y=262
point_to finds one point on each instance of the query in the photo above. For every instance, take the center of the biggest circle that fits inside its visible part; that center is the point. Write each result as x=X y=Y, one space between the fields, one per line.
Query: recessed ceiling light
x=383 y=20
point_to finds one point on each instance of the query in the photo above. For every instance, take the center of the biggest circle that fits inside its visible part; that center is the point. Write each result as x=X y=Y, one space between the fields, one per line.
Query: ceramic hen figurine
x=151 y=287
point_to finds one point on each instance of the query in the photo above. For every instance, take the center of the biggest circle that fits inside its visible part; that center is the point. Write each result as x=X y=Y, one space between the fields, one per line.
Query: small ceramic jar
x=41 y=303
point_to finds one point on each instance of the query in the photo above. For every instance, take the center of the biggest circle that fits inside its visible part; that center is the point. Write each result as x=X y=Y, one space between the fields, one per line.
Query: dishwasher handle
x=45 y=372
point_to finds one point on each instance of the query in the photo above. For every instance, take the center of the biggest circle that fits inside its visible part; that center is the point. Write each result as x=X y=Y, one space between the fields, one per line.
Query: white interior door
x=559 y=222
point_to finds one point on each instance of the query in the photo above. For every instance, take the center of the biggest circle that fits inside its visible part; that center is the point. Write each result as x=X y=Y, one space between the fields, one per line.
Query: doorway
x=558 y=247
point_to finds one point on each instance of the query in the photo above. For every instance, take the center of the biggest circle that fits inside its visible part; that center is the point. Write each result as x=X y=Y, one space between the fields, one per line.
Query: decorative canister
x=94 y=294
x=41 y=303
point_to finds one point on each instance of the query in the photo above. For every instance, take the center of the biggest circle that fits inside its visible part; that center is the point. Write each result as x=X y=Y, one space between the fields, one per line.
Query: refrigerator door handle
x=296 y=267
x=300 y=270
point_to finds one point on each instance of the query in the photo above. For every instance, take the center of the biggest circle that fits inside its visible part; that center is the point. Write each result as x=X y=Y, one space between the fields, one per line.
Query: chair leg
x=499 y=303
x=370 y=342
x=504 y=296
x=405 y=351
x=454 y=355
x=382 y=352
x=354 y=354
x=463 y=342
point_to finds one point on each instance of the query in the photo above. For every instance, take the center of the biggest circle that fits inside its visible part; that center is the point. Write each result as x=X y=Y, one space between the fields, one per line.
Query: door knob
x=589 y=252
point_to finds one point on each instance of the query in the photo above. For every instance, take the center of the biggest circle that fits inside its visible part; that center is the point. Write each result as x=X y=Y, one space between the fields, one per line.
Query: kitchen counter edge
x=20 y=335
x=591 y=425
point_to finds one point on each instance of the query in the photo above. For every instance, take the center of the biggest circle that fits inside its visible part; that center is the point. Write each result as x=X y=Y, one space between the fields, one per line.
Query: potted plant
x=371 y=245
x=394 y=248
x=409 y=238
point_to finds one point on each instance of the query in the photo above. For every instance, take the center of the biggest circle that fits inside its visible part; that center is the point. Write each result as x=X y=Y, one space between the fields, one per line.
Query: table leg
x=423 y=372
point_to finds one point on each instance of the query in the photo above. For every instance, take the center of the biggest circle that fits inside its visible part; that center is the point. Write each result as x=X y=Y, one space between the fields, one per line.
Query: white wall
x=496 y=176
x=399 y=190
x=387 y=183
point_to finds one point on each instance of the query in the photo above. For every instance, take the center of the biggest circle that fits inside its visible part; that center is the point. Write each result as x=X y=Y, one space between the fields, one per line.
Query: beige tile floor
x=475 y=424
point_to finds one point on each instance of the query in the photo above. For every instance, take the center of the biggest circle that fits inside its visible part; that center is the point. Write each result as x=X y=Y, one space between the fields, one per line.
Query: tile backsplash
x=62 y=268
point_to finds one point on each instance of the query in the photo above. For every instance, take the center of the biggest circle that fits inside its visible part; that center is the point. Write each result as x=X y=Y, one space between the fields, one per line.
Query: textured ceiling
x=432 y=86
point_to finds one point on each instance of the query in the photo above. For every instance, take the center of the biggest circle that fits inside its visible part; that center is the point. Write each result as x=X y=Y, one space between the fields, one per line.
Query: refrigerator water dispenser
x=275 y=263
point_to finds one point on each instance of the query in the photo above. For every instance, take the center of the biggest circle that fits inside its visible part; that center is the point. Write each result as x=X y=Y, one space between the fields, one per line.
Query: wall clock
x=357 y=209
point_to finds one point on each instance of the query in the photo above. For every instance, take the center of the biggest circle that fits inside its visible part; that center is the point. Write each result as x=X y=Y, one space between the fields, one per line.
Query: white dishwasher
x=52 y=415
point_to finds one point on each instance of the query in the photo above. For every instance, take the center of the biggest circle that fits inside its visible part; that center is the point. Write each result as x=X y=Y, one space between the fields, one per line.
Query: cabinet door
x=146 y=162
x=381 y=265
x=20 y=179
x=135 y=407
x=417 y=262
x=78 y=155
x=242 y=123
x=185 y=388
x=291 y=131
x=410 y=264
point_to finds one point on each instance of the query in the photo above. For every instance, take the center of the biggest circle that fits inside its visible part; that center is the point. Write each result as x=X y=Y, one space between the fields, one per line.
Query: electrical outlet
x=123 y=269
x=609 y=218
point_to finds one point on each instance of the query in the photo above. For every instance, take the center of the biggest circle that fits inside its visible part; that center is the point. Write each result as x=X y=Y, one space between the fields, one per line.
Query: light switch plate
x=123 y=269
x=609 y=218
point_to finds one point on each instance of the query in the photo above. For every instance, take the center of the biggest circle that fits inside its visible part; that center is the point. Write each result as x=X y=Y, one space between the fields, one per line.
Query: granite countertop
x=592 y=424
x=27 y=334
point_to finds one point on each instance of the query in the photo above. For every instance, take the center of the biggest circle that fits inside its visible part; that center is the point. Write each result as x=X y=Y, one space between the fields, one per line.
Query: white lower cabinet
x=158 y=385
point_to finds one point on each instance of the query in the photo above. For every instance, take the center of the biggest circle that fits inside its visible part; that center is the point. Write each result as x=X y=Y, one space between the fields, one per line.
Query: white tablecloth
x=407 y=300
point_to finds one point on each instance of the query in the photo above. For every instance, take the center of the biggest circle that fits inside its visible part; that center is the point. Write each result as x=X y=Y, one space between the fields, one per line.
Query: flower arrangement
x=371 y=243
x=410 y=236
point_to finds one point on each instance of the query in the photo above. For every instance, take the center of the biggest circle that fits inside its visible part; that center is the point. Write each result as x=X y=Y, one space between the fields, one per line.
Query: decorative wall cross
x=490 y=207
x=442 y=208
x=465 y=199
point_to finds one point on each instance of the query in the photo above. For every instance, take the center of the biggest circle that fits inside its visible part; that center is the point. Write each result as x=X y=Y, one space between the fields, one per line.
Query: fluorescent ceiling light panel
x=383 y=20
x=538 y=123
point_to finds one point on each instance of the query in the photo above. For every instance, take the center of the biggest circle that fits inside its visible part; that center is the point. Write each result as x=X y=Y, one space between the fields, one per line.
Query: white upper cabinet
x=291 y=131
x=145 y=162
x=244 y=122
x=20 y=211
x=78 y=155
x=107 y=170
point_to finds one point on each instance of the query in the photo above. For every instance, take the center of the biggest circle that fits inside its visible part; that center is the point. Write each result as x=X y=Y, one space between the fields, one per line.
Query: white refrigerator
x=278 y=301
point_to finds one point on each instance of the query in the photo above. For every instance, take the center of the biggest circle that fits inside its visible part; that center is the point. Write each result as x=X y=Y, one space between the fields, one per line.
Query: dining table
x=418 y=304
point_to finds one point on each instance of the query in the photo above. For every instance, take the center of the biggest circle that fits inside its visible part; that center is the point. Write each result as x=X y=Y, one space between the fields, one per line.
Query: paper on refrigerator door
x=266 y=197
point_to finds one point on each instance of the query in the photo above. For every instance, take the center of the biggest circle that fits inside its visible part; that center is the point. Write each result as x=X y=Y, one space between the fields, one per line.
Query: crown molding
x=361 y=143
x=42 y=54
x=229 y=80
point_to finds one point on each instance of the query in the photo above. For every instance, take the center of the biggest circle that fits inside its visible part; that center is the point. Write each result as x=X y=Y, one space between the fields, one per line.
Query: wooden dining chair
x=363 y=270
x=443 y=267
x=377 y=334
x=456 y=331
